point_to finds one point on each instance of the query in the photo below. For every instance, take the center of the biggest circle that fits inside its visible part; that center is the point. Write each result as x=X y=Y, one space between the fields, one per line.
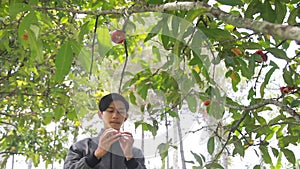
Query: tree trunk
x=181 y=143
x=29 y=164
x=143 y=136
x=175 y=136
x=167 y=136
x=13 y=162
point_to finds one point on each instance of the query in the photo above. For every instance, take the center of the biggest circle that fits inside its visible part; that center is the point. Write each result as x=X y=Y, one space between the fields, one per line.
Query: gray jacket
x=81 y=156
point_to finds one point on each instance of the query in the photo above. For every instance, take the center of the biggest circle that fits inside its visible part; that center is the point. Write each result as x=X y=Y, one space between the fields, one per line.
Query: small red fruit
x=291 y=88
x=285 y=90
x=125 y=134
x=263 y=56
x=117 y=36
x=25 y=36
x=206 y=102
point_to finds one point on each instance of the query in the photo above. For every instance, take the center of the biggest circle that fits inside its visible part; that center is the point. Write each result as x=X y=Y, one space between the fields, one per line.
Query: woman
x=112 y=149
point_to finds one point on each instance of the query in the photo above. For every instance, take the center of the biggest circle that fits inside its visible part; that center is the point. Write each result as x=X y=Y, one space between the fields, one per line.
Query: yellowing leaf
x=197 y=69
x=233 y=77
x=236 y=51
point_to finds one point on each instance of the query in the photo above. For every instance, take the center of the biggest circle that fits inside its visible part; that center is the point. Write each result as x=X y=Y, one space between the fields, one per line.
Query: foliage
x=56 y=56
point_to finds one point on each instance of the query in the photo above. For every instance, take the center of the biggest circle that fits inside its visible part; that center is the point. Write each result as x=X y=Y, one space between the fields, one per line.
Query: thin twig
x=9 y=152
x=93 y=45
x=125 y=65
x=3 y=122
x=232 y=129
x=5 y=114
x=126 y=19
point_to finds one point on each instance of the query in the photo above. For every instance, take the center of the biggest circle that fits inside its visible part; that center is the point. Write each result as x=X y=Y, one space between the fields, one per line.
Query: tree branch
x=9 y=152
x=3 y=122
x=267 y=102
x=263 y=102
x=283 y=31
x=5 y=114
x=232 y=129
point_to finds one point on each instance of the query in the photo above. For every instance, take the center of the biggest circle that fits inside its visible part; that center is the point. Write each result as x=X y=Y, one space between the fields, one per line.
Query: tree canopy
x=240 y=65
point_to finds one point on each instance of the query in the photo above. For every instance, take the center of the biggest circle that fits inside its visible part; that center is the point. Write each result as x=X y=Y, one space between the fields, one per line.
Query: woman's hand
x=108 y=137
x=126 y=142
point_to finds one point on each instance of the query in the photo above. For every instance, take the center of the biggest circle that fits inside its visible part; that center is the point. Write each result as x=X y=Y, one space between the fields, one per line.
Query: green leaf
x=165 y=40
x=132 y=98
x=156 y=54
x=214 y=166
x=173 y=114
x=143 y=91
x=58 y=112
x=154 y=1
x=251 y=94
x=192 y=103
x=76 y=47
x=279 y=163
x=47 y=118
x=290 y=156
x=216 y=109
x=293 y=15
x=235 y=79
x=287 y=76
x=71 y=115
x=192 y=14
x=267 y=79
x=211 y=145
x=63 y=61
x=261 y=120
x=15 y=8
x=295 y=103
x=256 y=167
x=280 y=10
x=35 y=47
x=278 y=53
x=216 y=34
x=252 y=9
x=163 y=150
x=104 y=41
x=265 y=154
x=155 y=30
x=231 y=2
x=238 y=146
x=196 y=76
x=198 y=158
x=84 y=29
x=251 y=45
x=175 y=25
x=267 y=12
x=25 y=24
x=246 y=72
x=275 y=152
x=84 y=59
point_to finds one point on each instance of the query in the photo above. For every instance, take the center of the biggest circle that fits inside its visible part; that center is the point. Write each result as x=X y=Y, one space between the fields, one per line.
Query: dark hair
x=107 y=99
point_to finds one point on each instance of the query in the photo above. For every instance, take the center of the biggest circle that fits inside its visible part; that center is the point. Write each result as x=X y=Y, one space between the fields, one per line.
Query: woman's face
x=115 y=115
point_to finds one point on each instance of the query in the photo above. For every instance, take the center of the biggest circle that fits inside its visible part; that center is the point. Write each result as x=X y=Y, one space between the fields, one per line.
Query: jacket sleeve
x=138 y=162
x=77 y=159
